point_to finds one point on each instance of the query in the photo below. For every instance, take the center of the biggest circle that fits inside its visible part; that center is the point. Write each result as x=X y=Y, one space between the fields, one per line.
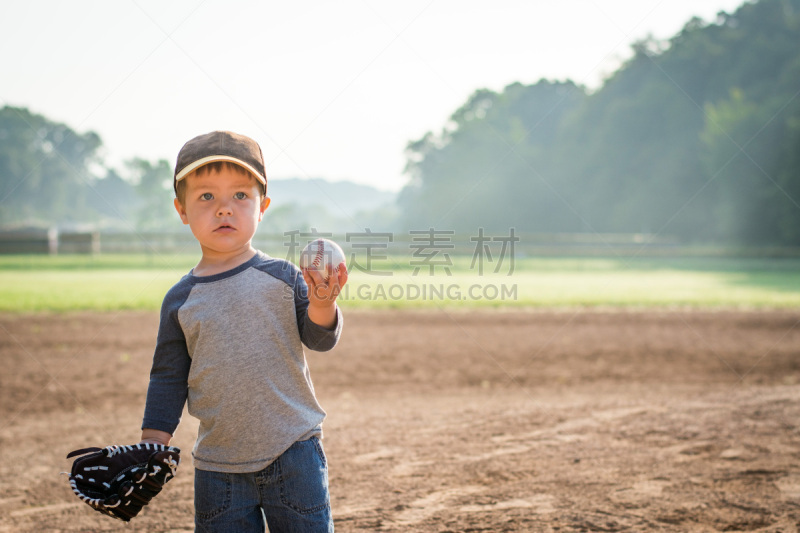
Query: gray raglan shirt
x=232 y=345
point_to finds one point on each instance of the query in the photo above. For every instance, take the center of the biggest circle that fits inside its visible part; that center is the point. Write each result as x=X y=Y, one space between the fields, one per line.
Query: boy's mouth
x=225 y=227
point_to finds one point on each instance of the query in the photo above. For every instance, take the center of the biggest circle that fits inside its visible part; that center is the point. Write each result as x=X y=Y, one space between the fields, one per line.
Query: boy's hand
x=322 y=293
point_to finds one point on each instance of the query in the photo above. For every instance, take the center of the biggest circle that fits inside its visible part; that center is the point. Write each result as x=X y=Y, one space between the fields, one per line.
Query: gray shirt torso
x=232 y=345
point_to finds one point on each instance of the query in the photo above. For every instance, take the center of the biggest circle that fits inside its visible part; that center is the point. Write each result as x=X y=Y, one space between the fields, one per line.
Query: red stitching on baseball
x=320 y=254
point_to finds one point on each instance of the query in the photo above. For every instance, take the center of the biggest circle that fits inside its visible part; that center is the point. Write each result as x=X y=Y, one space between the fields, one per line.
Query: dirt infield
x=457 y=421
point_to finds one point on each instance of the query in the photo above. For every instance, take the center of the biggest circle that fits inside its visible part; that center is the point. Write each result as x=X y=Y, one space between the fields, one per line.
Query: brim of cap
x=210 y=159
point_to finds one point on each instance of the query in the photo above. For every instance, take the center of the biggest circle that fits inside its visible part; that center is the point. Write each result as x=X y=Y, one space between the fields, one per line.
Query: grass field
x=111 y=282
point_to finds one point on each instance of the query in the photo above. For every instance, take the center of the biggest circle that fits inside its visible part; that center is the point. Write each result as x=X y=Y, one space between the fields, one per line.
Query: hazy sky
x=331 y=89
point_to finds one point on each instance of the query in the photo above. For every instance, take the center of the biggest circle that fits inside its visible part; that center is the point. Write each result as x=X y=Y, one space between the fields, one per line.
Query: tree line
x=696 y=137
x=50 y=174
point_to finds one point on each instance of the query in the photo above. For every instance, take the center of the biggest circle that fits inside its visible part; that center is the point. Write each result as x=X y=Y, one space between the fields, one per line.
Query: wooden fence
x=52 y=241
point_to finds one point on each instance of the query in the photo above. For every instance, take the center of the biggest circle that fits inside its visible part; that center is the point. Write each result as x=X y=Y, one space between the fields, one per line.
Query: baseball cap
x=220 y=146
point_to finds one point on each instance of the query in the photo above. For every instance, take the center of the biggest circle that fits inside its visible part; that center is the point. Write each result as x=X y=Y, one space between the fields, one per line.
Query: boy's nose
x=224 y=211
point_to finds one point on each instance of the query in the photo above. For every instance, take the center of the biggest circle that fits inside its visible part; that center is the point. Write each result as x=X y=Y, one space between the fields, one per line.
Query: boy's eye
x=240 y=195
x=206 y=196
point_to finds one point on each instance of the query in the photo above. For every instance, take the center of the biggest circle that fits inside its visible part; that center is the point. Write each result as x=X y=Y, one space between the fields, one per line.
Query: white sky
x=331 y=89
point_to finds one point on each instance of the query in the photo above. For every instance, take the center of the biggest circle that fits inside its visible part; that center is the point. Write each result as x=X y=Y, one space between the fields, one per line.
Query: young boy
x=230 y=341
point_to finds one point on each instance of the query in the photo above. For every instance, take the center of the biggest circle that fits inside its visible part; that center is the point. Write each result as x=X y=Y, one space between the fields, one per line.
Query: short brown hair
x=216 y=166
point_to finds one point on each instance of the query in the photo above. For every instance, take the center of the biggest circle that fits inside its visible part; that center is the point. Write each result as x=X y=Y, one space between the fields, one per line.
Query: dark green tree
x=113 y=200
x=155 y=211
x=490 y=168
x=44 y=168
x=695 y=137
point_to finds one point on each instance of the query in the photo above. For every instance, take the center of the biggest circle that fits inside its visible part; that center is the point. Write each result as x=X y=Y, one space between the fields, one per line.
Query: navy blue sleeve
x=168 y=389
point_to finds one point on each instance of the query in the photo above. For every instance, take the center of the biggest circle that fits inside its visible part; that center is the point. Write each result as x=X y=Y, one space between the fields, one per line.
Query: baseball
x=320 y=253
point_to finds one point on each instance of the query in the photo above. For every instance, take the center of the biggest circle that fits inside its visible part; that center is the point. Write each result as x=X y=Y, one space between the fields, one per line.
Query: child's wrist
x=155 y=436
x=322 y=304
x=325 y=317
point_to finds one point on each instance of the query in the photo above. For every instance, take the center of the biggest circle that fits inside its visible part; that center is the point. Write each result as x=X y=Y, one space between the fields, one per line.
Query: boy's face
x=223 y=209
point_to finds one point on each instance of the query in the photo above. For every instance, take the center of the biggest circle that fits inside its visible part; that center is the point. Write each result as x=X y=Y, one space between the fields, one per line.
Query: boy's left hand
x=322 y=293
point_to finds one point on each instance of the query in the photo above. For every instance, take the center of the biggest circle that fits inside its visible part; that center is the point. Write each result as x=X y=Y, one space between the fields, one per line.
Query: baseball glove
x=120 y=480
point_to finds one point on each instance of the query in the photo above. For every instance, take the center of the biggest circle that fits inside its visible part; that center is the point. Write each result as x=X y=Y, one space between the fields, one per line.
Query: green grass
x=89 y=263
x=112 y=282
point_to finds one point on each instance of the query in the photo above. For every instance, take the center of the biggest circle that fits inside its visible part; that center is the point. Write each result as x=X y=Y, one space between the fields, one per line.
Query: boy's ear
x=181 y=211
x=263 y=207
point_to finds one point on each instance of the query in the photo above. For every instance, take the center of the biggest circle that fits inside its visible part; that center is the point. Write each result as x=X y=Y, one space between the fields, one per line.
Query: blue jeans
x=290 y=495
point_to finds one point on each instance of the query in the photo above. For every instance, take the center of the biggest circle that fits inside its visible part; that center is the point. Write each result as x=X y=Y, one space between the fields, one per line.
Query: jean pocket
x=304 y=477
x=320 y=452
x=212 y=493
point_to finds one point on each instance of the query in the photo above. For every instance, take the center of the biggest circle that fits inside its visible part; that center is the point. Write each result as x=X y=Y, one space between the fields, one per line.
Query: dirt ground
x=441 y=421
